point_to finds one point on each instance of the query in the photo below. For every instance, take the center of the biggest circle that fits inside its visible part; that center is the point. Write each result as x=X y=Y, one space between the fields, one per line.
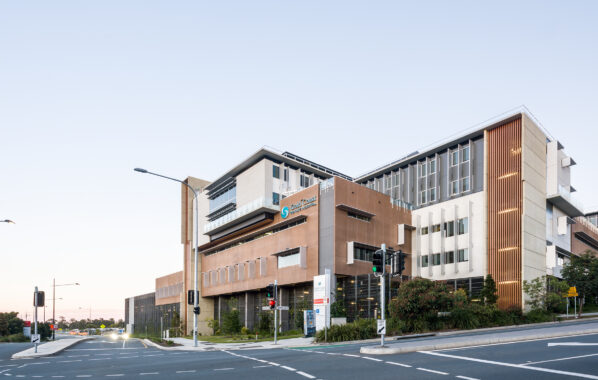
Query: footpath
x=470 y=338
x=49 y=348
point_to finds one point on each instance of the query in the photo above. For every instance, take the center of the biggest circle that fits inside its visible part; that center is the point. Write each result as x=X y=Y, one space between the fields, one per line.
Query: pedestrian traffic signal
x=196 y=310
x=272 y=304
x=190 y=299
x=270 y=291
x=378 y=264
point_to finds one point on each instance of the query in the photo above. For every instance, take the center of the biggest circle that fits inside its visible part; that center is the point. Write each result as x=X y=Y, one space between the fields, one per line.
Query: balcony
x=564 y=200
x=242 y=214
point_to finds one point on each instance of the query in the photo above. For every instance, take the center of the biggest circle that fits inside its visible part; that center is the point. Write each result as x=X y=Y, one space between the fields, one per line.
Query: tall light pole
x=196 y=246
x=54 y=302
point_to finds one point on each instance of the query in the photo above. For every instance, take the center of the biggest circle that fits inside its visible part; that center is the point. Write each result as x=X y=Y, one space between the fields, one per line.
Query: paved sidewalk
x=187 y=344
x=49 y=348
x=441 y=343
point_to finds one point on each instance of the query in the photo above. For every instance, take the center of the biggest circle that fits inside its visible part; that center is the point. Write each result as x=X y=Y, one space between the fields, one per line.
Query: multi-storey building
x=496 y=200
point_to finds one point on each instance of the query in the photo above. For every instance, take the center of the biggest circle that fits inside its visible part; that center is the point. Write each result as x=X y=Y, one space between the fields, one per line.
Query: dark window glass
x=275 y=171
x=424 y=261
x=436 y=259
x=275 y=198
x=449 y=257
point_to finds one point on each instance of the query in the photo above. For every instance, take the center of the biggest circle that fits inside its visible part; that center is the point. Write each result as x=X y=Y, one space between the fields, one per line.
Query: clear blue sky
x=90 y=90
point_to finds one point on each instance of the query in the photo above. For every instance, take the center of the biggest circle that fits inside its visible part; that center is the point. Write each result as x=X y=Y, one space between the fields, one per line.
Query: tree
x=582 y=272
x=488 y=293
x=10 y=323
x=545 y=293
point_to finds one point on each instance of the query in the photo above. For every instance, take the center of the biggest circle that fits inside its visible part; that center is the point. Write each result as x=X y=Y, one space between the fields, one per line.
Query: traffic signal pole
x=382 y=292
x=36 y=302
x=275 y=311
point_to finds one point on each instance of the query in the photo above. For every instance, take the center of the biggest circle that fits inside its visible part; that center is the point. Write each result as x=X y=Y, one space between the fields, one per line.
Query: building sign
x=322 y=301
x=284 y=212
x=303 y=204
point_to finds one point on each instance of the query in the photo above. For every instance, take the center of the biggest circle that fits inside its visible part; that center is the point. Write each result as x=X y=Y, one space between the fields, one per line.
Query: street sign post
x=35 y=339
x=381 y=326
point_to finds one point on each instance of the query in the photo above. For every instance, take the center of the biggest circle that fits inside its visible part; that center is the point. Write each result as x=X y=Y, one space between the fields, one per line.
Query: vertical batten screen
x=504 y=212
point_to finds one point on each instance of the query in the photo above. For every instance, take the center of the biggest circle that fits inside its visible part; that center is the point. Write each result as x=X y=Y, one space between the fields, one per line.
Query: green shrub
x=537 y=316
x=418 y=303
x=13 y=338
x=394 y=326
x=245 y=331
x=357 y=330
x=214 y=325
x=464 y=318
x=231 y=323
x=265 y=324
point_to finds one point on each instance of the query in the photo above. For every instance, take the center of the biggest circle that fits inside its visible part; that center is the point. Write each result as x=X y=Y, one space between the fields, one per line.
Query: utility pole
x=36 y=302
x=382 y=293
x=275 y=313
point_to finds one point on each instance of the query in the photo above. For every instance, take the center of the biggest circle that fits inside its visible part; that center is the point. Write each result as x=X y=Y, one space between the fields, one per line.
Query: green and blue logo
x=284 y=212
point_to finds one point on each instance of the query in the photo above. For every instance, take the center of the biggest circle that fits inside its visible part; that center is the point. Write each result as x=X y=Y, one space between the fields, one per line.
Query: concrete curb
x=29 y=353
x=377 y=350
x=175 y=348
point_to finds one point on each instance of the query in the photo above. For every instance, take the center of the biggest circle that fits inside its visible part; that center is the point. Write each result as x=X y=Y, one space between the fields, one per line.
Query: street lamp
x=7 y=221
x=195 y=293
x=54 y=302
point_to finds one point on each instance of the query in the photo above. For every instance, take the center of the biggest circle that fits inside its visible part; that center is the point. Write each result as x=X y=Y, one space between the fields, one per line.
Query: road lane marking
x=80 y=376
x=76 y=356
x=540 y=369
x=128 y=357
x=261 y=366
x=505 y=343
x=101 y=359
x=431 y=370
x=70 y=361
x=147 y=356
x=115 y=375
x=272 y=363
x=288 y=368
x=222 y=369
x=189 y=371
x=467 y=378
x=318 y=352
x=352 y=356
x=148 y=373
x=399 y=364
x=572 y=344
x=373 y=359
x=306 y=375
x=557 y=360
x=58 y=376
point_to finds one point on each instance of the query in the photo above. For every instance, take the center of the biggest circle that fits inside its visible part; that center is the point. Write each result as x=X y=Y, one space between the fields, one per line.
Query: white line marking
x=276 y=364
x=399 y=364
x=306 y=375
x=115 y=375
x=76 y=356
x=467 y=378
x=36 y=376
x=288 y=368
x=501 y=344
x=352 y=356
x=512 y=365
x=572 y=344
x=190 y=371
x=70 y=361
x=557 y=360
x=374 y=359
x=333 y=353
x=147 y=356
x=261 y=366
x=319 y=352
x=149 y=373
x=431 y=370
x=221 y=369
x=262 y=361
x=58 y=376
x=80 y=376
x=128 y=357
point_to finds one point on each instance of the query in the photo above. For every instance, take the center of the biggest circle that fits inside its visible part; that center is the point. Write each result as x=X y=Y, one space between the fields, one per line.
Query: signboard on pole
x=322 y=301
x=381 y=326
x=572 y=292
x=35 y=338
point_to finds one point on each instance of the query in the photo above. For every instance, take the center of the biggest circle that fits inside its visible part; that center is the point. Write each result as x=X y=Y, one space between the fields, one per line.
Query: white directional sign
x=381 y=326
x=35 y=338
x=266 y=308
x=282 y=308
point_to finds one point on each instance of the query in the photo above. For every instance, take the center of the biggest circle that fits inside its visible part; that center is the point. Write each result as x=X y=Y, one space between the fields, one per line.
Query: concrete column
x=284 y=314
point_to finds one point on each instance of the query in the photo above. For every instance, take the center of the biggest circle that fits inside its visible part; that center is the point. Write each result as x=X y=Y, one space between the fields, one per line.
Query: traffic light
x=401 y=257
x=272 y=304
x=190 y=299
x=377 y=262
x=270 y=291
x=41 y=296
x=196 y=310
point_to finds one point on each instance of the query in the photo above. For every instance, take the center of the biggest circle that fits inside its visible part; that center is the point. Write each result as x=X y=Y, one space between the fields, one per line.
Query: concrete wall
x=534 y=201
x=169 y=288
x=254 y=182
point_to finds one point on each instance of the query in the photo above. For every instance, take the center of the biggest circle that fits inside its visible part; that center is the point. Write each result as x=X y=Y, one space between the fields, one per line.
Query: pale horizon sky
x=90 y=90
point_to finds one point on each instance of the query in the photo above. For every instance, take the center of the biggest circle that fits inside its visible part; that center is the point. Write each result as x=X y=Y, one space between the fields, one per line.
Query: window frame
x=422 y=166
x=425 y=261
x=275 y=171
x=463 y=222
x=446 y=228
x=275 y=198
x=423 y=197
x=424 y=231
x=463 y=181
x=453 y=187
x=432 y=190
x=435 y=259
x=449 y=255
x=431 y=163
x=462 y=154
x=454 y=159
x=463 y=258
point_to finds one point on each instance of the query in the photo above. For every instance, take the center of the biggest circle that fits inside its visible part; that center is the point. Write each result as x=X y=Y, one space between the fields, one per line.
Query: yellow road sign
x=572 y=292
x=102 y=326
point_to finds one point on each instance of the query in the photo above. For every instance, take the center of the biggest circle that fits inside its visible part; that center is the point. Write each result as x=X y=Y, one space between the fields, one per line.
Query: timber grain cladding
x=504 y=212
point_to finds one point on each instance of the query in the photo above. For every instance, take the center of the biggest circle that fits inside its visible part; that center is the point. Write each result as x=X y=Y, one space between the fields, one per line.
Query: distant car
x=119 y=335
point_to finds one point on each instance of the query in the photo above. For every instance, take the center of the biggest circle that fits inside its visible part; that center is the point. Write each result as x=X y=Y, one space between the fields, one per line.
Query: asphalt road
x=570 y=357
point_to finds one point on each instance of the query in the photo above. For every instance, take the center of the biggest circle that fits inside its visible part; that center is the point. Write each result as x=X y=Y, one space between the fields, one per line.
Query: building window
x=463 y=226
x=275 y=171
x=422 y=197
x=436 y=228
x=229 y=196
x=425 y=261
x=436 y=259
x=422 y=169
x=424 y=230
x=463 y=255
x=454 y=157
x=395 y=179
x=465 y=154
x=363 y=254
x=449 y=257
x=357 y=216
x=289 y=260
x=465 y=184
x=454 y=187
x=449 y=229
x=432 y=166
x=303 y=180
x=432 y=194
x=275 y=198
x=285 y=174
